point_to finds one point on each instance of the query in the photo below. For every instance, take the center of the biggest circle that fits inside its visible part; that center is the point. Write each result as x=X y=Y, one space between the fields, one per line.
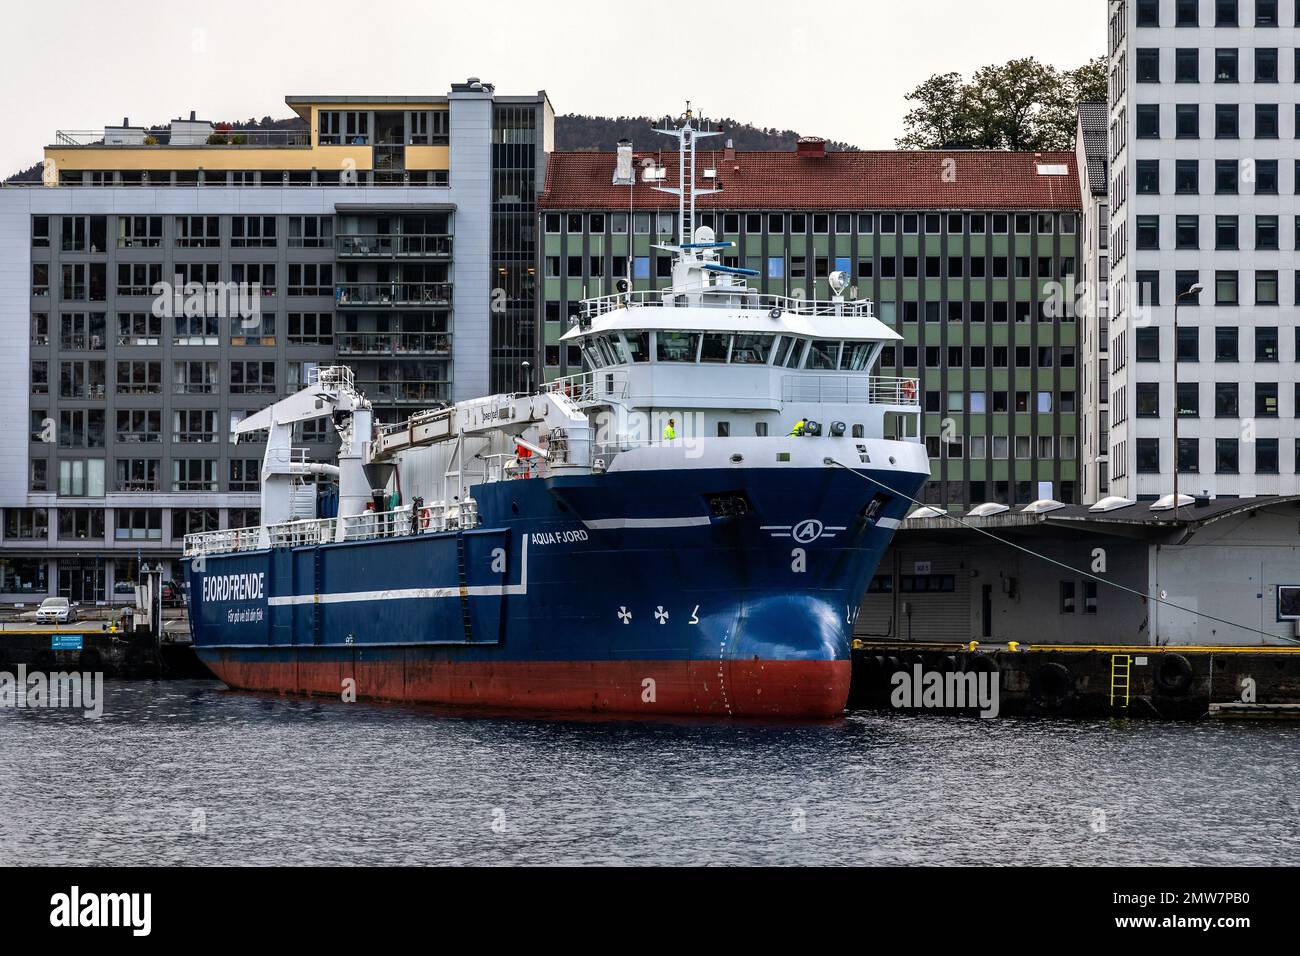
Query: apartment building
x=162 y=283
x=1093 y=302
x=1204 y=121
x=968 y=255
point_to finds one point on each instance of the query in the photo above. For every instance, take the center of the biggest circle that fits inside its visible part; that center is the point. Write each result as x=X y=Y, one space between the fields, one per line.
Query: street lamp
x=1193 y=290
x=527 y=367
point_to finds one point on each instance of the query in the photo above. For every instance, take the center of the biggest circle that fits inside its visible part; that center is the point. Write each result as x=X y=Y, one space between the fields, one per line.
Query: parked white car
x=55 y=610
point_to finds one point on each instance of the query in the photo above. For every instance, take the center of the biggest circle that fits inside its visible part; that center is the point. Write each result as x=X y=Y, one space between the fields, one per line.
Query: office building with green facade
x=970 y=256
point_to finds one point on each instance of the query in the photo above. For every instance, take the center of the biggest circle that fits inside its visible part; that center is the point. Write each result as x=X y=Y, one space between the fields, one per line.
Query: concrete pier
x=1157 y=683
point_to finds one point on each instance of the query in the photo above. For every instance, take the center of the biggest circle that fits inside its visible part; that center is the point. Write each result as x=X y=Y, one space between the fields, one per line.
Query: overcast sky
x=830 y=67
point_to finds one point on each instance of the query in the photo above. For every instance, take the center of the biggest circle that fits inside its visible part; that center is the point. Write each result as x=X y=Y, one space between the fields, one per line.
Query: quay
x=1181 y=682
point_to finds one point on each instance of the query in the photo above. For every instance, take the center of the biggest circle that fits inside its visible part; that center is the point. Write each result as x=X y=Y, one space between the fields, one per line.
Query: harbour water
x=190 y=773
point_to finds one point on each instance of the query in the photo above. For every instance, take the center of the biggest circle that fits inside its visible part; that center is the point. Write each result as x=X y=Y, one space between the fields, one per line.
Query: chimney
x=812 y=147
x=729 y=151
x=126 y=122
x=193 y=116
x=624 y=173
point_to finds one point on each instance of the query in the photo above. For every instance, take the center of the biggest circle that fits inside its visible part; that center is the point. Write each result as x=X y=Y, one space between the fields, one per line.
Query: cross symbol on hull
x=661 y=615
x=625 y=615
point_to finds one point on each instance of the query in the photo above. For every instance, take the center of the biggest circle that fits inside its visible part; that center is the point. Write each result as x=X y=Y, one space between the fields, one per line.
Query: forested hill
x=573 y=131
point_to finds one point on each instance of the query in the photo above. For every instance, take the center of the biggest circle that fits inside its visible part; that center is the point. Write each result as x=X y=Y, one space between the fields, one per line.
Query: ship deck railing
x=726 y=297
x=435 y=517
x=589 y=388
x=847 y=390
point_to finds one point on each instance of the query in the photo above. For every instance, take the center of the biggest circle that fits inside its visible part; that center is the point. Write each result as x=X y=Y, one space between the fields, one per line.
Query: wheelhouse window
x=752 y=349
x=856 y=356
x=717 y=345
x=638 y=345
x=677 y=346
x=823 y=355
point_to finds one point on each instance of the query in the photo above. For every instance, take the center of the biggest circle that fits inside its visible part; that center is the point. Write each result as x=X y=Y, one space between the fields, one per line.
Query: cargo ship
x=685 y=528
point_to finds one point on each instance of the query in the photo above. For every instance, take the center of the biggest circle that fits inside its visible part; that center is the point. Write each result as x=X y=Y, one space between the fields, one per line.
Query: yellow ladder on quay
x=1121 y=666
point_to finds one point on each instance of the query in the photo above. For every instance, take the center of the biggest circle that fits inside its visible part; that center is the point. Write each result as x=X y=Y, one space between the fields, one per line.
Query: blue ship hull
x=645 y=592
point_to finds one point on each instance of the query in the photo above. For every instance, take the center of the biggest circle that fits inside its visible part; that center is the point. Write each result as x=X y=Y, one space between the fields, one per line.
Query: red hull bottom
x=780 y=689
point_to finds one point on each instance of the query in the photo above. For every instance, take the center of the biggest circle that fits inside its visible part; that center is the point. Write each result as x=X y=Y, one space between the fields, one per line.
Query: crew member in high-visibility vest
x=799 y=426
x=670 y=430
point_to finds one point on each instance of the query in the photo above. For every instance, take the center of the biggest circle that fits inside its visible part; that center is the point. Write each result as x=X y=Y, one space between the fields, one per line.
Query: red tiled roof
x=899 y=179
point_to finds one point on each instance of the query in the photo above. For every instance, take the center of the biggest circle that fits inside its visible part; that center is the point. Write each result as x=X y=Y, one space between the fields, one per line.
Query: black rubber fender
x=1173 y=674
x=1051 y=686
x=981 y=664
x=90 y=660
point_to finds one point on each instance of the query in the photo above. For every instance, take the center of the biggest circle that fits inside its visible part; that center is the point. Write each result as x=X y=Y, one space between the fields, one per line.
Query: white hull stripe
x=610 y=524
x=408 y=594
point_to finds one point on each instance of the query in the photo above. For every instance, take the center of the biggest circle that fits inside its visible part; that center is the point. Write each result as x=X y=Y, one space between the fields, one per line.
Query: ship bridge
x=731 y=361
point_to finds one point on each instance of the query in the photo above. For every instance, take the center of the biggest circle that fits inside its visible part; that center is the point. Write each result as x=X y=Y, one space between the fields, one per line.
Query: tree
x=942 y=120
x=1022 y=105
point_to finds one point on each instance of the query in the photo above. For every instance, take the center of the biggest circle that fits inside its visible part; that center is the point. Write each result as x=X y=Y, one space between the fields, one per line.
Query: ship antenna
x=686 y=191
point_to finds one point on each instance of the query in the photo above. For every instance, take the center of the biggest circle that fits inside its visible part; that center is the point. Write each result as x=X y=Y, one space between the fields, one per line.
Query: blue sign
x=65 y=642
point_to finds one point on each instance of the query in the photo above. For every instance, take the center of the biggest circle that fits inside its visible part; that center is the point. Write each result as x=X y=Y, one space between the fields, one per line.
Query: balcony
x=402 y=393
x=376 y=246
x=393 y=343
x=363 y=295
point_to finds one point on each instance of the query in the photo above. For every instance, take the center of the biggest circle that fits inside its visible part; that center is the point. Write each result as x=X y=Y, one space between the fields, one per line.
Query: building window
x=137 y=524
x=1226 y=399
x=1148 y=456
x=1225 y=344
x=1067 y=597
x=194 y=521
x=1225 y=288
x=1187 y=121
x=1148 y=126
x=252 y=232
x=1147 y=340
x=1266 y=456
x=1266 y=400
x=311 y=328
x=252 y=378
x=1227 y=124
x=1225 y=177
x=1148 y=232
x=195 y=232
x=1266 y=65
x=1266 y=287
x=1148 y=400
x=1148 y=65
x=1226 y=456
x=245 y=474
x=81 y=524
x=1148 y=177
x=194 y=474
x=1266 y=121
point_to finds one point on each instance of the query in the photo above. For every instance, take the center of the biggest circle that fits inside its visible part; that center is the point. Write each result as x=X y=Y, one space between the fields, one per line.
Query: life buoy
x=1051 y=686
x=426 y=519
x=1173 y=674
